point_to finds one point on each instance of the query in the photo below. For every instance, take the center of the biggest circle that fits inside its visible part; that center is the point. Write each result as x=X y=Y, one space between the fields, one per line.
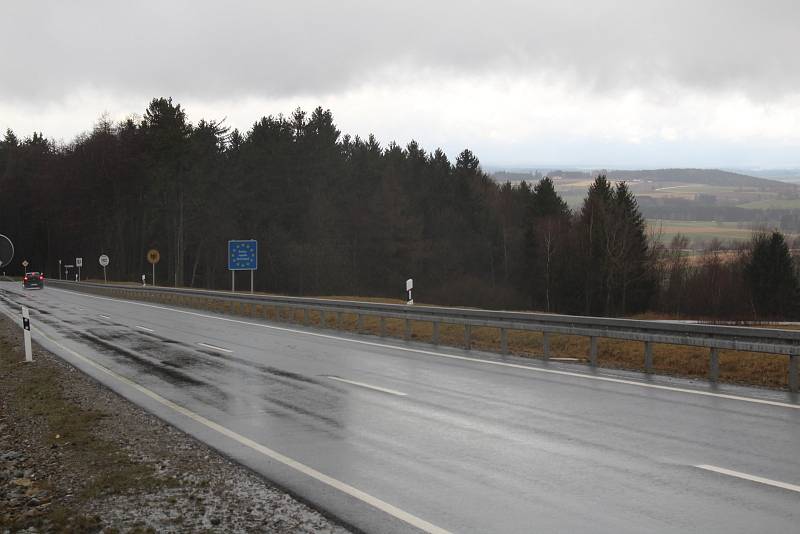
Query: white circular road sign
x=103 y=260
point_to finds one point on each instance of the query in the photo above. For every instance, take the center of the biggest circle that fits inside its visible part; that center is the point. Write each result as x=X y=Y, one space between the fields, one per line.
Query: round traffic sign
x=153 y=256
x=103 y=260
x=6 y=250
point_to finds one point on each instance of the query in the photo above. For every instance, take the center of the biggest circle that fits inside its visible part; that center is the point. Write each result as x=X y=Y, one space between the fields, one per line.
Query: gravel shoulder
x=76 y=457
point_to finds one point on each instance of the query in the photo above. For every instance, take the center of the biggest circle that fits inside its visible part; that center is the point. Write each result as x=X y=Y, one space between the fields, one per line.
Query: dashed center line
x=144 y=328
x=104 y=316
x=214 y=347
x=363 y=385
x=751 y=478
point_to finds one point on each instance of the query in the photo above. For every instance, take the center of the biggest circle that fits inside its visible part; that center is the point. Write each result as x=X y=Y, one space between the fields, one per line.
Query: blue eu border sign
x=242 y=256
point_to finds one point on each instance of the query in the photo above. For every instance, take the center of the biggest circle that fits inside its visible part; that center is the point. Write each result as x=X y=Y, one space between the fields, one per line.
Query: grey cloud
x=212 y=50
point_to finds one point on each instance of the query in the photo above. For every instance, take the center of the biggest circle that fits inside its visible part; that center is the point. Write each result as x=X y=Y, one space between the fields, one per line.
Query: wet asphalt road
x=465 y=445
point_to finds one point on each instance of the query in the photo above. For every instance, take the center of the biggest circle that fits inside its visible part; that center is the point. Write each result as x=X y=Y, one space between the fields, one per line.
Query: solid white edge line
x=363 y=385
x=752 y=478
x=375 y=502
x=455 y=357
x=214 y=347
x=144 y=328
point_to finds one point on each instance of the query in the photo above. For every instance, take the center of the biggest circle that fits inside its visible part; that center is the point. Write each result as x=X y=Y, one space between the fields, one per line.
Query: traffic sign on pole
x=103 y=260
x=153 y=256
x=242 y=256
x=6 y=251
x=78 y=264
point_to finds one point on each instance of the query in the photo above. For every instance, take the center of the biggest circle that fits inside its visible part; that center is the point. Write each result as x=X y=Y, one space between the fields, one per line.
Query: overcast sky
x=587 y=83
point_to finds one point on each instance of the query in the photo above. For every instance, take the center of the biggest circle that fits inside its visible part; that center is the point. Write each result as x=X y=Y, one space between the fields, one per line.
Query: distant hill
x=692 y=176
x=698 y=176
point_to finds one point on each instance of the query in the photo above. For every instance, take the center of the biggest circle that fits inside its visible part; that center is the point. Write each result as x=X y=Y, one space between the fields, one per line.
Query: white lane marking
x=214 y=347
x=144 y=328
x=363 y=385
x=375 y=502
x=104 y=316
x=455 y=357
x=752 y=478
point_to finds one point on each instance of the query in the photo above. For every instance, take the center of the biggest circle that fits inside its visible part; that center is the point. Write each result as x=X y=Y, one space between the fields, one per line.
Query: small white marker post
x=409 y=287
x=143 y=281
x=26 y=330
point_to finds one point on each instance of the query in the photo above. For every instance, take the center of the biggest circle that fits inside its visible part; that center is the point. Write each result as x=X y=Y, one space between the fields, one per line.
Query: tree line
x=333 y=214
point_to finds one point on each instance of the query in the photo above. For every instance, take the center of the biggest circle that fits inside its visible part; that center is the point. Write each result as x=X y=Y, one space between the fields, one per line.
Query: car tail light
x=25 y=279
x=41 y=277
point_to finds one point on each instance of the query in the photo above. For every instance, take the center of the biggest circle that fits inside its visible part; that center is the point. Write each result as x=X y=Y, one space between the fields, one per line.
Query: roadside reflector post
x=409 y=287
x=546 y=345
x=794 y=380
x=593 y=351
x=503 y=341
x=435 y=332
x=713 y=368
x=26 y=332
x=648 y=356
x=467 y=336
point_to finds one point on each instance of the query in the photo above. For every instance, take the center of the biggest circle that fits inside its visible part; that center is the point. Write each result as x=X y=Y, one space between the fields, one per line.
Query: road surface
x=391 y=436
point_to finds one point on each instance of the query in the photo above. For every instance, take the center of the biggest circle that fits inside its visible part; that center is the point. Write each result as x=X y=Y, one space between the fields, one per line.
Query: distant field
x=699 y=231
x=777 y=203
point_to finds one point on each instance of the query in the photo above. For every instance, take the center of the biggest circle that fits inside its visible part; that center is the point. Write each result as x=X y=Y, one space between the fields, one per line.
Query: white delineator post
x=409 y=287
x=26 y=329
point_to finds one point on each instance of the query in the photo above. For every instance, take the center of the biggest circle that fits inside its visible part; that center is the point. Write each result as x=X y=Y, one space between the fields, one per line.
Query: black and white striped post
x=409 y=287
x=26 y=330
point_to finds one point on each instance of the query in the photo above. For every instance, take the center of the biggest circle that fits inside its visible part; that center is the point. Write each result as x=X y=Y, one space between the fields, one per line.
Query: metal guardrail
x=713 y=337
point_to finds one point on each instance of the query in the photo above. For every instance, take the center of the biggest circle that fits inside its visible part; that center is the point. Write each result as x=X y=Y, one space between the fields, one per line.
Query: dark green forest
x=342 y=215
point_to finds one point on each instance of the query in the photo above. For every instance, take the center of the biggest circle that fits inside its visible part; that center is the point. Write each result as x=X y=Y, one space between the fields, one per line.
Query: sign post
x=26 y=332
x=103 y=259
x=6 y=251
x=59 y=269
x=153 y=256
x=409 y=287
x=25 y=264
x=242 y=256
x=78 y=264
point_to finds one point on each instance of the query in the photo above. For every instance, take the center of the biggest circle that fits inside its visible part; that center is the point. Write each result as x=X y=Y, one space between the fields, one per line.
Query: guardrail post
x=713 y=366
x=546 y=345
x=435 y=336
x=322 y=323
x=359 y=323
x=407 y=331
x=305 y=316
x=794 y=383
x=503 y=341
x=383 y=326
x=593 y=351
x=648 y=357
x=467 y=336
x=338 y=320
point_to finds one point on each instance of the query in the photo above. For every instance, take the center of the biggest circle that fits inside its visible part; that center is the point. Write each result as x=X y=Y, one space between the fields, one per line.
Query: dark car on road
x=33 y=280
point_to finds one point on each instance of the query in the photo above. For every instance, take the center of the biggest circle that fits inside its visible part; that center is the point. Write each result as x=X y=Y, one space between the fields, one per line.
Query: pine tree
x=771 y=278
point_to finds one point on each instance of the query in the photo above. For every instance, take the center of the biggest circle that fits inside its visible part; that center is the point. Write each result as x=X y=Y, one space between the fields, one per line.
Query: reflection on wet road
x=467 y=446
